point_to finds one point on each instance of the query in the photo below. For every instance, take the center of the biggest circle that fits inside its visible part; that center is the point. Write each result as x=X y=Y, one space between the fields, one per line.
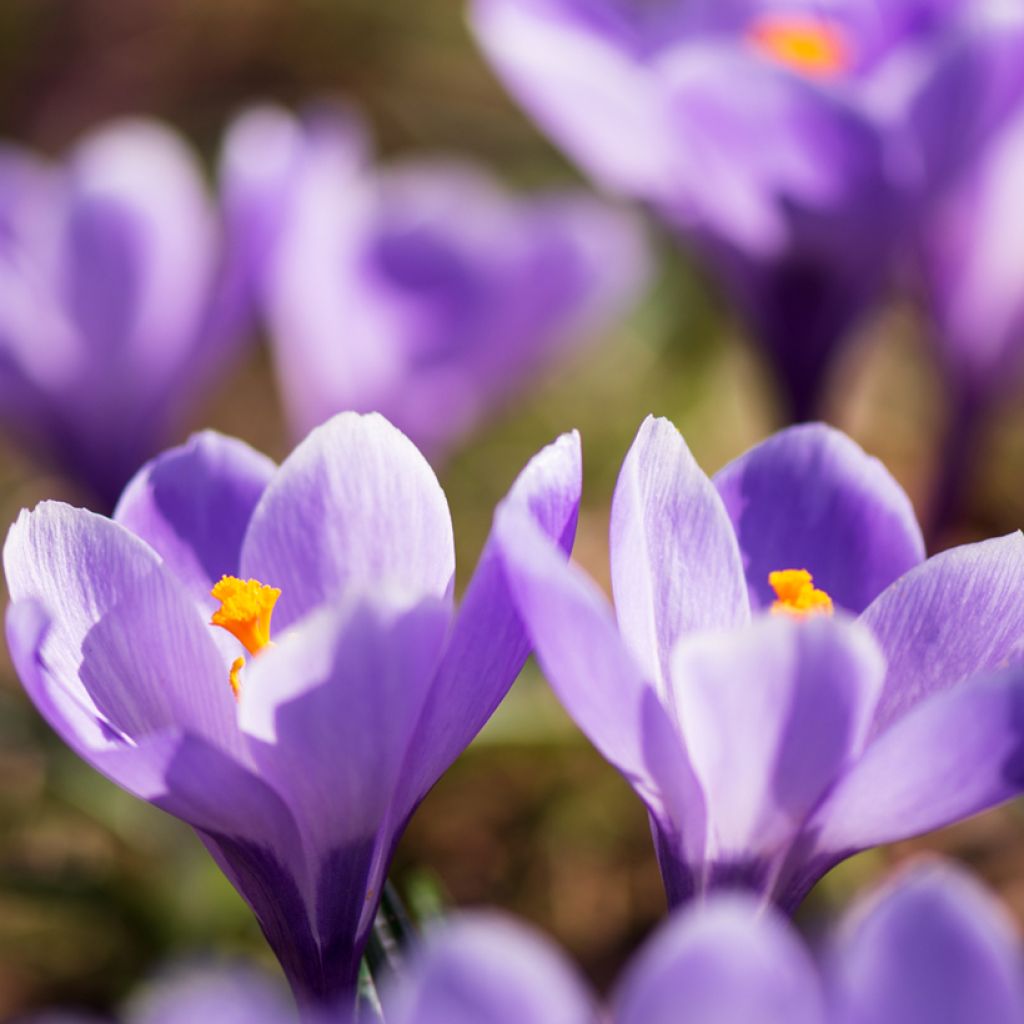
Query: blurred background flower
x=94 y=888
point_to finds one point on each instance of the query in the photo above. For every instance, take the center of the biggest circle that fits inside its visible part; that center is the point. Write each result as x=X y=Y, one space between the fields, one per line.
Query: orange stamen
x=802 y=42
x=797 y=595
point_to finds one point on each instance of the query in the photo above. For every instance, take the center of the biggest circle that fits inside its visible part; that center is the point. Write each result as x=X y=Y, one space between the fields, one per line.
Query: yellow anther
x=245 y=610
x=797 y=594
x=803 y=42
x=236 y=685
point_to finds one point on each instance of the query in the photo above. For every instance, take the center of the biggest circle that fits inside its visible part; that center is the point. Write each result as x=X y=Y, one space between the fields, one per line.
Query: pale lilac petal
x=932 y=947
x=354 y=503
x=452 y=293
x=675 y=562
x=975 y=84
x=265 y=153
x=192 y=505
x=488 y=643
x=243 y=822
x=597 y=679
x=227 y=994
x=487 y=969
x=329 y=714
x=810 y=160
x=972 y=266
x=329 y=710
x=810 y=498
x=125 y=641
x=586 y=89
x=772 y=716
x=143 y=246
x=953 y=755
x=957 y=615
x=723 y=962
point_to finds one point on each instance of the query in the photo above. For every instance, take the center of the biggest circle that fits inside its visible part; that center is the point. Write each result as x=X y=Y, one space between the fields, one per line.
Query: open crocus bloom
x=427 y=292
x=121 y=298
x=790 y=141
x=768 y=750
x=297 y=718
x=932 y=946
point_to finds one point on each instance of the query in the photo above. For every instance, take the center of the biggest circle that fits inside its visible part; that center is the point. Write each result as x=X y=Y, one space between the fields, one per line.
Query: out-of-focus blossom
x=426 y=292
x=197 y=995
x=973 y=263
x=768 y=751
x=121 y=298
x=793 y=142
x=299 y=747
x=931 y=947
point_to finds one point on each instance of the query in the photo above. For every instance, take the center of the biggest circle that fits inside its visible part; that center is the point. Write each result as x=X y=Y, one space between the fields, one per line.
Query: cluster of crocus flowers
x=932 y=946
x=272 y=655
x=798 y=146
x=424 y=290
x=124 y=295
x=882 y=699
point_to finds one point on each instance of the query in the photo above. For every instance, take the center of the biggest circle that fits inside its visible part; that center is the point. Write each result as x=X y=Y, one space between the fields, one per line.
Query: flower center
x=803 y=42
x=797 y=595
x=245 y=610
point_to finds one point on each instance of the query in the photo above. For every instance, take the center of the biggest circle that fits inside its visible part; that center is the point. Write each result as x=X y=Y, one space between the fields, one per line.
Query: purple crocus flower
x=791 y=142
x=120 y=301
x=930 y=948
x=766 y=751
x=344 y=712
x=970 y=264
x=428 y=293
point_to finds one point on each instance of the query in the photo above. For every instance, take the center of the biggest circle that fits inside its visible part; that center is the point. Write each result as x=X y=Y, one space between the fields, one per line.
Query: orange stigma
x=802 y=42
x=245 y=611
x=797 y=595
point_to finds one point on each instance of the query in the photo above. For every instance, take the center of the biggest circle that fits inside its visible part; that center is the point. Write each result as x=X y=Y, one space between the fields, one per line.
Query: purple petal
x=785 y=188
x=810 y=498
x=486 y=969
x=355 y=504
x=930 y=948
x=675 y=563
x=329 y=714
x=722 y=962
x=772 y=716
x=192 y=505
x=972 y=263
x=125 y=642
x=228 y=995
x=597 y=679
x=957 y=615
x=488 y=644
x=264 y=156
x=953 y=755
x=585 y=88
x=182 y=774
x=142 y=246
x=809 y=158
x=975 y=84
x=452 y=292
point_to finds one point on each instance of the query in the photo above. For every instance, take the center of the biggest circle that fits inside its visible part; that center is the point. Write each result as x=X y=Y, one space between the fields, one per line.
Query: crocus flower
x=970 y=264
x=767 y=748
x=271 y=655
x=120 y=299
x=930 y=947
x=791 y=142
x=426 y=292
